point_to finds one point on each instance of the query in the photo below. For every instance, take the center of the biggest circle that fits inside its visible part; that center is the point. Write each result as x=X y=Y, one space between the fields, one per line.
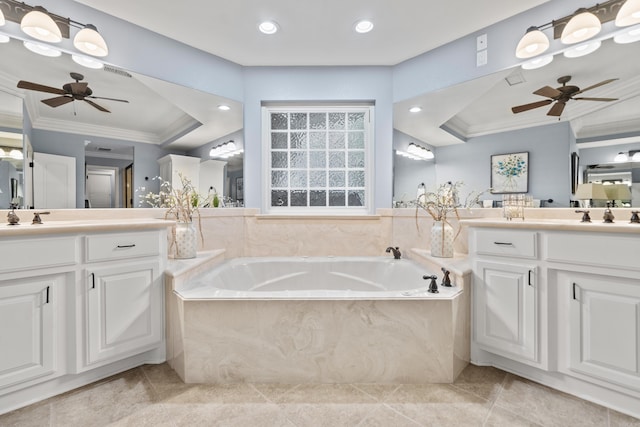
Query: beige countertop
x=81 y=226
x=596 y=225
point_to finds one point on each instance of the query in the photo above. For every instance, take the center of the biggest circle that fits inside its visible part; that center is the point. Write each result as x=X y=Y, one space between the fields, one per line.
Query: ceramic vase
x=186 y=240
x=442 y=240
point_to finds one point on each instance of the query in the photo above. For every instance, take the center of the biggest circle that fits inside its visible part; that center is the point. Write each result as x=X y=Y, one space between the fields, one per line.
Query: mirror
x=112 y=153
x=471 y=121
x=11 y=154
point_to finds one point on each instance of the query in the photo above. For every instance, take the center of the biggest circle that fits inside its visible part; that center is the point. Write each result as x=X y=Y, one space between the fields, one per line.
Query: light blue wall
x=549 y=158
x=318 y=84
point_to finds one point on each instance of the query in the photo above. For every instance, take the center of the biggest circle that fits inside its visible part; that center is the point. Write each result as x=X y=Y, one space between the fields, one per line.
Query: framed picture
x=239 y=189
x=510 y=173
x=575 y=165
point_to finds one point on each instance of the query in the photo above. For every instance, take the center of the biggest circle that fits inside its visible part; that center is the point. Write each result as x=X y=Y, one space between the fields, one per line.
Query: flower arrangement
x=445 y=200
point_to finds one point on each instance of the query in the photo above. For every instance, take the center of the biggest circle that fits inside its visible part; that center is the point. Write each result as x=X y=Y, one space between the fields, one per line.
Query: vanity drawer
x=104 y=247
x=29 y=253
x=508 y=243
x=593 y=249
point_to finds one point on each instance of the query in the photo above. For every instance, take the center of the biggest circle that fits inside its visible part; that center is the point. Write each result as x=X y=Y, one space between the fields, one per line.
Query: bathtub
x=314 y=278
x=316 y=320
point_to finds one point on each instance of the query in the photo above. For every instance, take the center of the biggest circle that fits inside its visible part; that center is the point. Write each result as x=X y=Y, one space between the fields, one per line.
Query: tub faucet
x=433 y=286
x=446 y=280
x=396 y=252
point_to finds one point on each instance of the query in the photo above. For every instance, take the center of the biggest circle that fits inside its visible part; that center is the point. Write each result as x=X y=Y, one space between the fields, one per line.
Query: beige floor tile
x=499 y=417
x=383 y=416
x=325 y=393
x=229 y=415
x=378 y=391
x=548 y=407
x=161 y=374
x=212 y=393
x=616 y=419
x=275 y=392
x=326 y=414
x=104 y=403
x=36 y=415
x=483 y=381
x=150 y=416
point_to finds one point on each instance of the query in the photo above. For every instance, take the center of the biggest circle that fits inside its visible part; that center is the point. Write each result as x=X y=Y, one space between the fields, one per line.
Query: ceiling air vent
x=114 y=70
x=515 y=78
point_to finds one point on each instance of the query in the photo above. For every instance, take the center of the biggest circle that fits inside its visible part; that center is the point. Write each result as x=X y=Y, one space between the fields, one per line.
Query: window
x=317 y=159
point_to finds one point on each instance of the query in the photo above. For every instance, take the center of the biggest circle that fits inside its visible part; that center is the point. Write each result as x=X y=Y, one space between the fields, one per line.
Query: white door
x=124 y=310
x=101 y=187
x=27 y=328
x=54 y=181
x=605 y=328
x=504 y=302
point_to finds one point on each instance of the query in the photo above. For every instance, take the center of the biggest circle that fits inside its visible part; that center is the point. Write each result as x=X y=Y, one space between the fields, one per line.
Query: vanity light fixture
x=581 y=27
x=16 y=154
x=44 y=26
x=3 y=37
x=622 y=156
x=533 y=43
x=630 y=36
x=538 y=62
x=268 y=27
x=363 y=26
x=629 y=14
x=582 y=49
x=2 y=153
x=416 y=152
x=225 y=150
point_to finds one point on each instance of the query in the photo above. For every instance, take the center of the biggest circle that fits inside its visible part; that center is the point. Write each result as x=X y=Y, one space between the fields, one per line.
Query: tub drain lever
x=433 y=286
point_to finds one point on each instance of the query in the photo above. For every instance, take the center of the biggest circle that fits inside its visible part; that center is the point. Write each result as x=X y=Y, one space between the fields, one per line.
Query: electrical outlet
x=481 y=42
x=481 y=58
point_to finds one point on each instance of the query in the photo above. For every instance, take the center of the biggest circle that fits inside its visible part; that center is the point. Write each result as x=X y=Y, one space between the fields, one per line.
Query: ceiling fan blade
x=596 y=99
x=58 y=101
x=557 y=109
x=108 y=99
x=79 y=88
x=99 y=107
x=548 y=91
x=41 y=88
x=527 y=107
x=604 y=82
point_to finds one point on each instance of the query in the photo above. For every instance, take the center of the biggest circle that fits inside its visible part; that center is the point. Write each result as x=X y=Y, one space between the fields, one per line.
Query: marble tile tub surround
x=153 y=395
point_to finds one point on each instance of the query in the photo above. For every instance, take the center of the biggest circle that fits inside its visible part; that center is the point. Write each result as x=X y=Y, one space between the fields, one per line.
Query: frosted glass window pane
x=336 y=120
x=279 y=140
x=317 y=159
x=298 y=120
x=298 y=179
x=318 y=198
x=336 y=198
x=356 y=159
x=336 y=159
x=317 y=140
x=299 y=198
x=356 y=121
x=356 y=178
x=356 y=139
x=356 y=198
x=336 y=179
x=336 y=140
x=298 y=159
x=279 y=179
x=279 y=159
x=318 y=179
x=298 y=140
x=318 y=120
x=279 y=198
x=279 y=121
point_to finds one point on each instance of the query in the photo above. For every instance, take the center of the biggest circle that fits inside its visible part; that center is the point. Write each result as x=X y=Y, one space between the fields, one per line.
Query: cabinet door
x=505 y=316
x=124 y=310
x=27 y=328
x=605 y=328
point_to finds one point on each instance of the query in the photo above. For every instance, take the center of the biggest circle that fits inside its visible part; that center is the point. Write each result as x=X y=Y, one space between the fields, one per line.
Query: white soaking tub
x=317 y=320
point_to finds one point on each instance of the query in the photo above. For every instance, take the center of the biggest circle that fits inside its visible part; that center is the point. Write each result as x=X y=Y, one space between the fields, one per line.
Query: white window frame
x=367 y=209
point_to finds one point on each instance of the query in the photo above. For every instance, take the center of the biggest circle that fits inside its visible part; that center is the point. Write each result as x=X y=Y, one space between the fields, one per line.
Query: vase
x=186 y=240
x=442 y=240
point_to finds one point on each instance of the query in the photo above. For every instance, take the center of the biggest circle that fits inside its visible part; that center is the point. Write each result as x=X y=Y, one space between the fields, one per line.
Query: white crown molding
x=11 y=120
x=43 y=123
x=178 y=126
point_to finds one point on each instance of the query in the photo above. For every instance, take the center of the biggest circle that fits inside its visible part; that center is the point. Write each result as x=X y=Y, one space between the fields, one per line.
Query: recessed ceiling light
x=268 y=27
x=363 y=26
x=415 y=109
x=224 y=107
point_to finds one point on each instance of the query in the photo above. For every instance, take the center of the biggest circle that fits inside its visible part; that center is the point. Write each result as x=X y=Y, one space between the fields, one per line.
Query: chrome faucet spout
x=396 y=252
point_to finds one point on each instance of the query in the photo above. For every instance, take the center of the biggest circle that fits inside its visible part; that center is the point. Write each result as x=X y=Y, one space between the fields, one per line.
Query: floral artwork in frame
x=510 y=173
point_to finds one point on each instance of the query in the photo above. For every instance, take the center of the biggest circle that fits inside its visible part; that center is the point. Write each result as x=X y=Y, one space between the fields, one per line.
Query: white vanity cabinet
x=506 y=309
x=124 y=295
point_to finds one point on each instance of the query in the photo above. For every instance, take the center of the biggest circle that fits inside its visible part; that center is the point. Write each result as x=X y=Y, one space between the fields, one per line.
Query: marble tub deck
x=154 y=395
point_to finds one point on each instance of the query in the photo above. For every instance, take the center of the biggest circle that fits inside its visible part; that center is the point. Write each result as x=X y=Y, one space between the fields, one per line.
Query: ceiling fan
x=70 y=92
x=561 y=96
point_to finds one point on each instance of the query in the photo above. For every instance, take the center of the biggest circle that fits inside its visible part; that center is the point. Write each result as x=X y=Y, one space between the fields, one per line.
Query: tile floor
x=153 y=395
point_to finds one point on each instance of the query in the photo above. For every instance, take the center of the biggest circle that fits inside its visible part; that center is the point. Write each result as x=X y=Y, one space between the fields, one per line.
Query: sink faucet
x=396 y=252
x=36 y=217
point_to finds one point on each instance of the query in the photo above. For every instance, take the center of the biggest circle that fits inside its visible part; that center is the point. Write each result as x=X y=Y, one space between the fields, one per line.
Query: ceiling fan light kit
x=579 y=27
